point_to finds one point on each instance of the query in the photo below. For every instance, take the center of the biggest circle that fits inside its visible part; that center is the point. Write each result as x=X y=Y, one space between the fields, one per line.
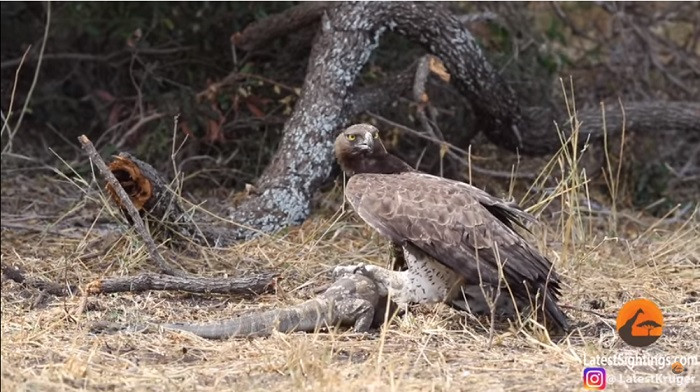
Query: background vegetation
x=119 y=72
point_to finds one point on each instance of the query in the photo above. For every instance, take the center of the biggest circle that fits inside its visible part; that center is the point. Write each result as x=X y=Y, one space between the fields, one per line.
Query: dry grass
x=605 y=257
x=46 y=347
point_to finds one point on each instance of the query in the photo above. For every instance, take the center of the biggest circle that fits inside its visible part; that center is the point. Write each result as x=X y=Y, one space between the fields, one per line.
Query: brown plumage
x=443 y=223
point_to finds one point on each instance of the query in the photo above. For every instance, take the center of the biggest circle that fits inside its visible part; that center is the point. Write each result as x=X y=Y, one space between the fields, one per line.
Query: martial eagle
x=452 y=235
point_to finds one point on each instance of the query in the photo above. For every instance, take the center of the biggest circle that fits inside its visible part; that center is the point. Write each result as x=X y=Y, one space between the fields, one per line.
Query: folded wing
x=459 y=225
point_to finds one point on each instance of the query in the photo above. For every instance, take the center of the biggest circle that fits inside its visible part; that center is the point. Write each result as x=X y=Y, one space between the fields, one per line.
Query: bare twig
x=486 y=16
x=13 y=131
x=420 y=96
x=126 y=204
x=100 y=58
x=416 y=133
x=235 y=76
x=143 y=120
x=580 y=309
x=6 y=120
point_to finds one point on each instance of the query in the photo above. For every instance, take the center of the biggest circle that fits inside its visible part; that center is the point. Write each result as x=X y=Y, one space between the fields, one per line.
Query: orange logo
x=677 y=368
x=640 y=322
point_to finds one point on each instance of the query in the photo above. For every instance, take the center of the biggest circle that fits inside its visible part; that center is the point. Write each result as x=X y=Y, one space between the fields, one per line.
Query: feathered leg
x=424 y=281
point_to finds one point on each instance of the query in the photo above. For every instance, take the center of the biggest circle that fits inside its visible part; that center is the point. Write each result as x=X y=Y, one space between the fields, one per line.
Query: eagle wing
x=459 y=225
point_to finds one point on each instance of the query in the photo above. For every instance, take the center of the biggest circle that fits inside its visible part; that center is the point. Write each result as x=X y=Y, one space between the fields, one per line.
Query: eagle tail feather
x=553 y=315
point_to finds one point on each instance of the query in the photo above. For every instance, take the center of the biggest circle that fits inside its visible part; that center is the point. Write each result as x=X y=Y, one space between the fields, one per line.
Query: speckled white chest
x=427 y=280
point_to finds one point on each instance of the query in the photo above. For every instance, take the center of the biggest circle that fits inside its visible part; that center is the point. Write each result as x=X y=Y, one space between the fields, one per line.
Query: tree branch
x=639 y=117
x=100 y=58
x=341 y=49
x=251 y=284
x=283 y=23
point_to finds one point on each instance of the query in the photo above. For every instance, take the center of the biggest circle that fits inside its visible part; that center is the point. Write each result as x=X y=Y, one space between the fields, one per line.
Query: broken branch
x=127 y=205
x=149 y=192
x=252 y=284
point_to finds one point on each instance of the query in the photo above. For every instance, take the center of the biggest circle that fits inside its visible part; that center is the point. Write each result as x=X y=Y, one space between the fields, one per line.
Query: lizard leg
x=357 y=311
x=388 y=282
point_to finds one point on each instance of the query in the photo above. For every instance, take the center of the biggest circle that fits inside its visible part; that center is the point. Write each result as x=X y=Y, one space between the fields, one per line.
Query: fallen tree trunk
x=127 y=206
x=136 y=187
x=305 y=155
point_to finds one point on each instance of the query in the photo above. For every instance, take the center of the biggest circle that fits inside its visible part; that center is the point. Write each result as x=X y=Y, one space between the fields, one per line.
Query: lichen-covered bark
x=305 y=155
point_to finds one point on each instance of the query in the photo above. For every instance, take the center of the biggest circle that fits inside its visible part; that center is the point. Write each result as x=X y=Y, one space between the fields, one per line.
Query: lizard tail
x=305 y=317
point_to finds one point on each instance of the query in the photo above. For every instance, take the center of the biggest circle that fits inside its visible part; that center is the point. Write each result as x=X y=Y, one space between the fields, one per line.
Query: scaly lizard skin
x=352 y=300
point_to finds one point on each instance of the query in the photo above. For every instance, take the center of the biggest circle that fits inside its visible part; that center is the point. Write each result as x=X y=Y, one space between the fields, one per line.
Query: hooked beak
x=367 y=143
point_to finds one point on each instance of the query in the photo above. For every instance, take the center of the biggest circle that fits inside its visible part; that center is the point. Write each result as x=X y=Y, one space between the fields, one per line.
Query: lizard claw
x=342 y=271
x=339 y=271
x=360 y=269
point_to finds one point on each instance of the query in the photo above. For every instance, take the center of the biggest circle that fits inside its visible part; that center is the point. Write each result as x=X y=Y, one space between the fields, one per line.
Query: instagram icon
x=594 y=379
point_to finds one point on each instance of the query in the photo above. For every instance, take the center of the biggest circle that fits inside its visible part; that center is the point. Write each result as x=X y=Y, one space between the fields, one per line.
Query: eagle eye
x=351 y=137
x=376 y=135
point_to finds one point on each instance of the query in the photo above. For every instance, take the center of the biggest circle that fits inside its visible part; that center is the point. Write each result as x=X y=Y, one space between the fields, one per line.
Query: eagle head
x=359 y=150
x=359 y=140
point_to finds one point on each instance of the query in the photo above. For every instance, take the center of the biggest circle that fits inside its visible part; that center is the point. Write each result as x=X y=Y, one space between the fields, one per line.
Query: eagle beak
x=367 y=143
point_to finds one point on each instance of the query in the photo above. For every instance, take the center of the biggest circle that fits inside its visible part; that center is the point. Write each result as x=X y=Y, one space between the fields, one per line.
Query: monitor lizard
x=352 y=300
